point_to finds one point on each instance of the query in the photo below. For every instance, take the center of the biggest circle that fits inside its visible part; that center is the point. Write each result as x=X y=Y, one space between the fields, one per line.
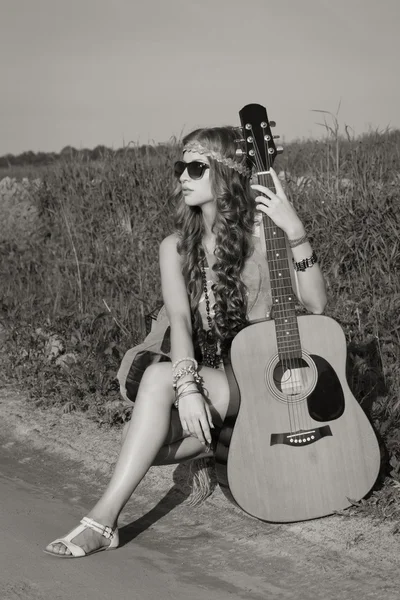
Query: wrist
x=296 y=231
x=185 y=393
x=186 y=379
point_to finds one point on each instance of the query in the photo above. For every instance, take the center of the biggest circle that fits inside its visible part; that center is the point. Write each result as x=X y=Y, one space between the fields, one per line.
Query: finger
x=199 y=432
x=264 y=200
x=264 y=190
x=209 y=416
x=263 y=208
x=205 y=429
x=276 y=180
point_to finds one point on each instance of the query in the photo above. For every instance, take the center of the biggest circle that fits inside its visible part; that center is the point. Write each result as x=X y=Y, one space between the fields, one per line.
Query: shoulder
x=168 y=245
x=170 y=259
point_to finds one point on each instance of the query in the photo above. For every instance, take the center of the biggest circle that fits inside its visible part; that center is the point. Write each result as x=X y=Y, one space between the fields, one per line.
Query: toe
x=57 y=549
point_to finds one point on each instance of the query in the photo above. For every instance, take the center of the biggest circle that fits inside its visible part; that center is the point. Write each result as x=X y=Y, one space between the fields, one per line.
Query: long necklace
x=211 y=358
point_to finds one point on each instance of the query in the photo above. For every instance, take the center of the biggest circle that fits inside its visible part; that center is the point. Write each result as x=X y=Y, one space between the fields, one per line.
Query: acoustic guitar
x=295 y=444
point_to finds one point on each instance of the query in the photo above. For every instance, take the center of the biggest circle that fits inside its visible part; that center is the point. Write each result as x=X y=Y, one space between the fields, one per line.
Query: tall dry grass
x=93 y=275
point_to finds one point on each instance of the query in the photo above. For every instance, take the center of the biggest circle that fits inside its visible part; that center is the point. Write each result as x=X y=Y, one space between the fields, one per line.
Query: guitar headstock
x=259 y=142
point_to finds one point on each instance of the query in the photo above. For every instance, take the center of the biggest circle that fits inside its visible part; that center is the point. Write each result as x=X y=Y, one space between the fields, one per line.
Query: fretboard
x=283 y=298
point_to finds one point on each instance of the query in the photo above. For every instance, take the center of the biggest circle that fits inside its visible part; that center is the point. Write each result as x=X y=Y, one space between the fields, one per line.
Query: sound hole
x=293 y=378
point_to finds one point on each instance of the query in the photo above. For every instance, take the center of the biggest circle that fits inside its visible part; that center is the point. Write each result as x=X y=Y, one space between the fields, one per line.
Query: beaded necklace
x=211 y=358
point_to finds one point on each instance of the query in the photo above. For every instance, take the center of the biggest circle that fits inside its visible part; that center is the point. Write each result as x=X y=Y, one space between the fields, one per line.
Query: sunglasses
x=195 y=169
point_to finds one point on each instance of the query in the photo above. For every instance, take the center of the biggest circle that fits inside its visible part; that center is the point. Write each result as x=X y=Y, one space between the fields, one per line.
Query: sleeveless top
x=156 y=345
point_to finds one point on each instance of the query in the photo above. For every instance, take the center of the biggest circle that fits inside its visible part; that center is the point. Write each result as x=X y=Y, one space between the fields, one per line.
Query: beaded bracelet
x=185 y=371
x=305 y=263
x=178 y=362
x=298 y=241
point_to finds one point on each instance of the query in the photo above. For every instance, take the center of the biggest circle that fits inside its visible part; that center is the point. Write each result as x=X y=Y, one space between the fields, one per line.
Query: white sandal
x=77 y=551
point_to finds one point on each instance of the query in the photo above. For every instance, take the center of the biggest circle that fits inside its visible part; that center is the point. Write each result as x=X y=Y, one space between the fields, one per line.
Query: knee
x=125 y=431
x=157 y=381
x=158 y=374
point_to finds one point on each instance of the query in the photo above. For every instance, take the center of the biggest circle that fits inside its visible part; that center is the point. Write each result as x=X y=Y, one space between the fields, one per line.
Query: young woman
x=214 y=282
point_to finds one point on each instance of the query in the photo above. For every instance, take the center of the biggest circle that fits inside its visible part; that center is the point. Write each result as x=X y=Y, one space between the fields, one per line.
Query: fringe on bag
x=202 y=480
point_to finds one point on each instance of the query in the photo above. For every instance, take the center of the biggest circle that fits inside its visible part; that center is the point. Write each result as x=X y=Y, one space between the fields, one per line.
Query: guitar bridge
x=302 y=437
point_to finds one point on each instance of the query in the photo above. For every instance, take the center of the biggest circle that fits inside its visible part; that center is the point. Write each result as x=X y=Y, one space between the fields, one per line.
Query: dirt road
x=169 y=550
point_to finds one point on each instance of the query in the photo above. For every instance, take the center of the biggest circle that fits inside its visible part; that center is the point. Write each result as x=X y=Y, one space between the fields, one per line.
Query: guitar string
x=299 y=373
x=292 y=408
x=281 y=291
x=296 y=374
x=299 y=408
x=275 y=268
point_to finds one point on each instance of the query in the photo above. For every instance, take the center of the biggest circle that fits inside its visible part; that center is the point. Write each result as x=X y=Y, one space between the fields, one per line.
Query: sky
x=90 y=72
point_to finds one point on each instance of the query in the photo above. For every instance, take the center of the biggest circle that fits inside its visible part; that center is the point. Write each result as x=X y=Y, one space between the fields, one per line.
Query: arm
x=175 y=299
x=194 y=412
x=308 y=285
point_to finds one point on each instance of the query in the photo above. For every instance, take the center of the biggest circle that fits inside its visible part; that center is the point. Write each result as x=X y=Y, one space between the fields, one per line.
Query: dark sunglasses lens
x=179 y=167
x=196 y=169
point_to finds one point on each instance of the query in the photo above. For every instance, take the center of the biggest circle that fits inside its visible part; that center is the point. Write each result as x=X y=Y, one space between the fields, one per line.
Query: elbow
x=317 y=309
x=180 y=321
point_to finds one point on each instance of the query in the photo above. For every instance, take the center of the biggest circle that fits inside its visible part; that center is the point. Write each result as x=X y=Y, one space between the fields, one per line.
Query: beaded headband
x=228 y=162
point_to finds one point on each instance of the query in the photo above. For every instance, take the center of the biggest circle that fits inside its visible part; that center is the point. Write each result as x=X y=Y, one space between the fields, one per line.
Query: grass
x=88 y=280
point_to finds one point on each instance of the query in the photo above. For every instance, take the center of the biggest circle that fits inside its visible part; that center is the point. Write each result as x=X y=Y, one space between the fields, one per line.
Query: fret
x=276 y=244
x=287 y=325
x=281 y=304
x=287 y=334
x=281 y=278
x=282 y=281
x=278 y=258
x=293 y=345
x=287 y=355
x=281 y=296
x=278 y=265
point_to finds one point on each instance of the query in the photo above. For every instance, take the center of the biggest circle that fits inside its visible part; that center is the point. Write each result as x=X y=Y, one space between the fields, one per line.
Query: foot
x=88 y=539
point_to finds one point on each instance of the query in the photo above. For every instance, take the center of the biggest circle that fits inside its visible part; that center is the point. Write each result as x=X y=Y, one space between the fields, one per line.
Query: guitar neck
x=283 y=298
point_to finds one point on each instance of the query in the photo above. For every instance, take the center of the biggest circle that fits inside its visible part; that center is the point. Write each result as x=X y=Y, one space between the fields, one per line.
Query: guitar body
x=295 y=445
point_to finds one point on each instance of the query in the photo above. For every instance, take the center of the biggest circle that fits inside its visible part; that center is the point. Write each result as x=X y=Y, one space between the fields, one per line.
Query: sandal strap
x=104 y=530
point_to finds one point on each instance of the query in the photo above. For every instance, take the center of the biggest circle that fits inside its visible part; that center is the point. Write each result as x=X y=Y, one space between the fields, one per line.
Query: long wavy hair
x=233 y=227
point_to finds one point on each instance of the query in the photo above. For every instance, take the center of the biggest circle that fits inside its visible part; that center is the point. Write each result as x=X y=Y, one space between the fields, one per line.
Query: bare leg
x=146 y=434
x=179 y=446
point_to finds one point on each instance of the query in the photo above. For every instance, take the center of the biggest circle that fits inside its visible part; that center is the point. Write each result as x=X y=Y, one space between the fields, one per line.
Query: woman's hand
x=278 y=208
x=195 y=416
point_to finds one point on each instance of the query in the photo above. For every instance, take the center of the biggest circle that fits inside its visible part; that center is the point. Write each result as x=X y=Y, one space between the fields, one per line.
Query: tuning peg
x=240 y=152
x=279 y=149
x=276 y=137
x=272 y=124
x=240 y=140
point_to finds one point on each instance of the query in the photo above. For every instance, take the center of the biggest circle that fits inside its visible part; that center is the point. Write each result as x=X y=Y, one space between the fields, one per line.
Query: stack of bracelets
x=306 y=262
x=183 y=389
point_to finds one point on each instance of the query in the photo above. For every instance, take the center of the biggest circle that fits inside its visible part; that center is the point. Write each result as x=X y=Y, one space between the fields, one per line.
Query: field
x=77 y=286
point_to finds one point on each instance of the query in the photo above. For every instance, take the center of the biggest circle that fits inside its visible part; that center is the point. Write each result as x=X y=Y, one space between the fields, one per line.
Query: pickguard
x=326 y=401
